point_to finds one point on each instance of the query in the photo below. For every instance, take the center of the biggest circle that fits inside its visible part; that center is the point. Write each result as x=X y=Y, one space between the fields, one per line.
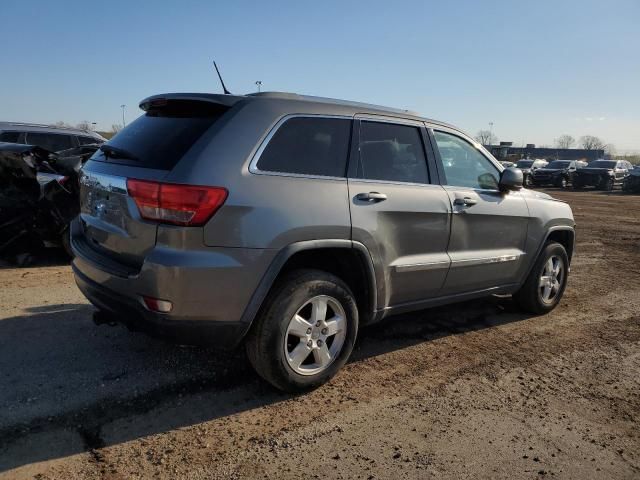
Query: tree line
x=586 y=142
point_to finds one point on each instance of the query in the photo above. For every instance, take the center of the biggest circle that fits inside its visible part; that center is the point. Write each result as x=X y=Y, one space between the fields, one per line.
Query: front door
x=488 y=227
x=396 y=212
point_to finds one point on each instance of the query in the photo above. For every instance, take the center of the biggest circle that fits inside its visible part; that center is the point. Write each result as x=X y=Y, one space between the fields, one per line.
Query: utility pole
x=123 y=122
x=491 y=130
x=259 y=84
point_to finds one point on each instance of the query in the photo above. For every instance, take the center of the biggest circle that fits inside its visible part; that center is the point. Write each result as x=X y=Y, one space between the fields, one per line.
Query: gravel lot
x=476 y=390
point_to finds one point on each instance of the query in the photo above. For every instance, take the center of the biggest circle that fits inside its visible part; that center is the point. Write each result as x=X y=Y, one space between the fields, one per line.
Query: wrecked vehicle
x=39 y=192
x=631 y=182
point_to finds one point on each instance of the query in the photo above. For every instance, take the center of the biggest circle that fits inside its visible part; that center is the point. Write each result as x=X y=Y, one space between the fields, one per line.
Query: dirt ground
x=476 y=390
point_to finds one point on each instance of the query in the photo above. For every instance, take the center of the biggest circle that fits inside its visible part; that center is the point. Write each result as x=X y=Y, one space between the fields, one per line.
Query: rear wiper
x=115 y=152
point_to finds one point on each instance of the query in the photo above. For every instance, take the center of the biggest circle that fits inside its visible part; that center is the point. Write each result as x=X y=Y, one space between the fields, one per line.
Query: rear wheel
x=65 y=240
x=306 y=331
x=546 y=282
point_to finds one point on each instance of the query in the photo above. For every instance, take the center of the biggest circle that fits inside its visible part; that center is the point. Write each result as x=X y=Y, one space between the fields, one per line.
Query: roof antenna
x=226 y=92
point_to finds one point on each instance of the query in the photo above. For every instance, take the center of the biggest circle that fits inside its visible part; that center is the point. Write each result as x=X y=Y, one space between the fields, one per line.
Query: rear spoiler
x=219 y=99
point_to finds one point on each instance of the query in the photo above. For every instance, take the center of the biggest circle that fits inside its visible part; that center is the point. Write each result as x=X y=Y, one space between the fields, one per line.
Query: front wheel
x=305 y=332
x=546 y=282
x=608 y=184
x=563 y=183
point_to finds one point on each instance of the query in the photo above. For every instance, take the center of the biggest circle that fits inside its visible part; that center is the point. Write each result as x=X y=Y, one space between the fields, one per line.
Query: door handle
x=371 y=197
x=465 y=202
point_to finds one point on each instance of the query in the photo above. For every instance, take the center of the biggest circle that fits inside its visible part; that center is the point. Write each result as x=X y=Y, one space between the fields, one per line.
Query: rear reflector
x=157 y=305
x=177 y=204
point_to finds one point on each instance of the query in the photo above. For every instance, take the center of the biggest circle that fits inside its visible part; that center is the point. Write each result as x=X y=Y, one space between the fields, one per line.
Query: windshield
x=602 y=164
x=559 y=164
x=524 y=164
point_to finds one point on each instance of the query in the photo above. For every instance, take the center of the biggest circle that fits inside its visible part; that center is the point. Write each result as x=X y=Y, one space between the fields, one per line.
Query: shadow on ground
x=41 y=257
x=65 y=383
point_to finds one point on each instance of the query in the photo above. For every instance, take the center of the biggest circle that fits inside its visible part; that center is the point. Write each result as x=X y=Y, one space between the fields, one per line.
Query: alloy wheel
x=551 y=279
x=315 y=335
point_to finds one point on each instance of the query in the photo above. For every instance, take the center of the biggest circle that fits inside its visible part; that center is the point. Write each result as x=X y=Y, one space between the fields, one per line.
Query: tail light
x=188 y=205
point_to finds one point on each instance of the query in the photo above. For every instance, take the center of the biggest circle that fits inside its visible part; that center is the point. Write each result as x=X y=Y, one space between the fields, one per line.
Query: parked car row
x=602 y=174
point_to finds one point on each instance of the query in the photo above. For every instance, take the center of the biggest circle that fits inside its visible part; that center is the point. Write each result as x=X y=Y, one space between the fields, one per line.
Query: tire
x=563 y=183
x=275 y=334
x=609 y=184
x=531 y=296
x=65 y=241
x=527 y=181
x=577 y=186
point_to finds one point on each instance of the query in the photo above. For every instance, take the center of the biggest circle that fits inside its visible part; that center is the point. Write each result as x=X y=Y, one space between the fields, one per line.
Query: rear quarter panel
x=262 y=210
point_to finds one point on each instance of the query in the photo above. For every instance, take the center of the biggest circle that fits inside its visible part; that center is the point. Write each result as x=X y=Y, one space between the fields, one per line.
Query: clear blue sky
x=536 y=69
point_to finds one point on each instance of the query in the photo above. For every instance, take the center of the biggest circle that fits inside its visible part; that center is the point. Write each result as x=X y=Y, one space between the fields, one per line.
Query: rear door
x=147 y=149
x=488 y=227
x=398 y=211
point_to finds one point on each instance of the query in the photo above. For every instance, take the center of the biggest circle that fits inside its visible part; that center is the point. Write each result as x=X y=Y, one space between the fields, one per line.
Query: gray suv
x=287 y=222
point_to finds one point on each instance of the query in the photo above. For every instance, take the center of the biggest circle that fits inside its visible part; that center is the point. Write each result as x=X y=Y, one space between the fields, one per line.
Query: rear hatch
x=113 y=230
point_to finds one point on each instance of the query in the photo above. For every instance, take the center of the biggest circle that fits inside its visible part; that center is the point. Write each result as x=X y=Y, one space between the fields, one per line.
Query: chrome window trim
x=253 y=165
x=370 y=117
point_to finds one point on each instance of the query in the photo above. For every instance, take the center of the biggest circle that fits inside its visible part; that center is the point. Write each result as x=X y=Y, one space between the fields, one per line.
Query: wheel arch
x=564 y=235
x=351 y=261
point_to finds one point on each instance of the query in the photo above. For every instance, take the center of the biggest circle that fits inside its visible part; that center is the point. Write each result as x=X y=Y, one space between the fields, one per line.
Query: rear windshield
x=524 y=163
x=162 y=136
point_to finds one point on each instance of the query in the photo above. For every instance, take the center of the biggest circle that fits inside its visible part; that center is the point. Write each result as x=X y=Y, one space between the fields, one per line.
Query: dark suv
x=602 y=174
x=288 y=222
x=559 y=173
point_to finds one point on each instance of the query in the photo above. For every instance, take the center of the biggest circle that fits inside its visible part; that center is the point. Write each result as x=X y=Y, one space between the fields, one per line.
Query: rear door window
x=162 y=136
x=308 y=146
x=392 y=152
x=50 y=141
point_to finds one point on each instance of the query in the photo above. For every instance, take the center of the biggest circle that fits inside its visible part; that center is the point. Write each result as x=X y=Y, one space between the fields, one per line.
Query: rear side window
x=11 y=137
x=162 y=136
x=50 y=141
x=391 y=152
x=308 y=146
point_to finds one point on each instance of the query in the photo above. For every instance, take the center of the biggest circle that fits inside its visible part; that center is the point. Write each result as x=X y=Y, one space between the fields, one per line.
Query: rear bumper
x=120 y=309
x=209 y=289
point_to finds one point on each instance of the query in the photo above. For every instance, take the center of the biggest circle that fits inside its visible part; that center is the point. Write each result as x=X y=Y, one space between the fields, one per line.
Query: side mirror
x=511 y=179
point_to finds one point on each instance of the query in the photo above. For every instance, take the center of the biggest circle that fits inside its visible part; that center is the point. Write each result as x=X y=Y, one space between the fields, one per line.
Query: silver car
x=286 y=223
x=49 y=137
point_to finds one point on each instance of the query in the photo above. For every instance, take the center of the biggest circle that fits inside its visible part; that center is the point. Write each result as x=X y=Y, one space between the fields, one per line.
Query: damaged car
x=39 y=196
